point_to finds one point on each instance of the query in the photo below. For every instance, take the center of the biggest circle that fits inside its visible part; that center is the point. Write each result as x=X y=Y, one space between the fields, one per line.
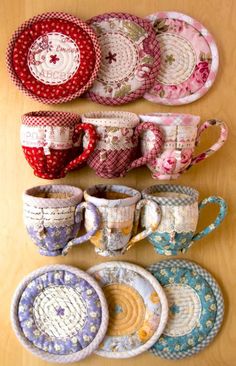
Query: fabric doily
x=189 y=59
x=59 y=313
x=130 y=58
x=196 y=308
x=53 y=57
x=137 y=308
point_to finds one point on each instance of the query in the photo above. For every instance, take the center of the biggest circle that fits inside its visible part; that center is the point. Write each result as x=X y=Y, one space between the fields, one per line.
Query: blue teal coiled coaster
x=196 y=308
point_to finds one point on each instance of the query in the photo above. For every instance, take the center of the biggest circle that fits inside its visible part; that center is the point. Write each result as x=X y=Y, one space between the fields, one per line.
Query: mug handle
x=90 y=148
x=220 y=142
x=153 y=227
x=96 y=223
x=220 y=217
x=159 y=139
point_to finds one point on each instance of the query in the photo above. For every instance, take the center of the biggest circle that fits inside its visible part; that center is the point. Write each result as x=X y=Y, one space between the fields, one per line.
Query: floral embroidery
x=60 y=311
x=169 y=59
x=174 y=309
x=131 y=53
x=111 y=57
x=53 y=59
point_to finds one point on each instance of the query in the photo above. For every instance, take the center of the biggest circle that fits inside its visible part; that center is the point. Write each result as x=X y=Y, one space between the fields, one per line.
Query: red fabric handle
x=91 y=145
x=159 y=140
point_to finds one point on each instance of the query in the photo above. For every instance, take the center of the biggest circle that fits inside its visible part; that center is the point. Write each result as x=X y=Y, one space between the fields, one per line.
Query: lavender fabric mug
x=116 y=151
x=53 y=215
x=120 y=208
x=181 y=134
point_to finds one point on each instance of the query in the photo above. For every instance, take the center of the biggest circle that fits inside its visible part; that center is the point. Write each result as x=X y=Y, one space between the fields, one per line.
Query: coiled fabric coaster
x=196 y=308
x=130 y=58
x=53 y=57
x=137 y=305
x=189 y=59
x=59 y=313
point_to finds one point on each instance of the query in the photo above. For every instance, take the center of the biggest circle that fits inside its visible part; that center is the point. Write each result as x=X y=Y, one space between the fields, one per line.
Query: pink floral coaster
x=189 y=59
x=53 y=57
x=130 y=58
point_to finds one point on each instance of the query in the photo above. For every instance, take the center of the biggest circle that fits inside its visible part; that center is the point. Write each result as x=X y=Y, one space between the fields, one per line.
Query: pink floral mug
x=181 y=133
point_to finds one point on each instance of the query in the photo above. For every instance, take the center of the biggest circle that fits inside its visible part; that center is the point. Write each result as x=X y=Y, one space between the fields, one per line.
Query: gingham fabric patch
x=130 y=58
x=182 y=196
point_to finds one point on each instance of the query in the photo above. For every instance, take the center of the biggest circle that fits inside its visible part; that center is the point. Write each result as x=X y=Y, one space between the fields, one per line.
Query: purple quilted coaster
x=130 y=58
x=59 y=313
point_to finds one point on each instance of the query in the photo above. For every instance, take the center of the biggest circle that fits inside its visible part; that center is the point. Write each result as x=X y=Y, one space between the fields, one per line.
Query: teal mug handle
x=220 y=217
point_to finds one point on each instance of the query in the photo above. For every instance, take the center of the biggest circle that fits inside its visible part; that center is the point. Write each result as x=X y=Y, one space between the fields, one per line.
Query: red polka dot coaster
x=130 y=58
x=53 y=57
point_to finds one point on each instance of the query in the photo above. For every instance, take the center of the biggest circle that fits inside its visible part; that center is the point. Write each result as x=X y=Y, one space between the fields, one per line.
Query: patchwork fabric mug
x=181 y=133
x=119 y=207
x=51 y=142
x=179 y=217
x=52 y=216
x=118 y=138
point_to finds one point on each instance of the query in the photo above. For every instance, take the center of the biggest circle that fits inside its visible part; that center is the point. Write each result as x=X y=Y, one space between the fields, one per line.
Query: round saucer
x=189 y=59
x=130 y=58
x=59 y=313
x=53 y=57
x=137 y=306
x=196 y=308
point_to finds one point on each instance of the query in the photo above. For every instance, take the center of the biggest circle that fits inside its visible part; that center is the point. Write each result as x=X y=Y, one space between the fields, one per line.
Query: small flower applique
x=60 y=311
x=53 y=59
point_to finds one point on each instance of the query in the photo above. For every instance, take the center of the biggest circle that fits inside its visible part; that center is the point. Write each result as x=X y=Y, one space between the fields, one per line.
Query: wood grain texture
x=217 y=252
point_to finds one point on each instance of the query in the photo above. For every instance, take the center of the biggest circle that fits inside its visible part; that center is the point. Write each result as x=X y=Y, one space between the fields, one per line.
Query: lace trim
x=47 y=137
x=174 y=218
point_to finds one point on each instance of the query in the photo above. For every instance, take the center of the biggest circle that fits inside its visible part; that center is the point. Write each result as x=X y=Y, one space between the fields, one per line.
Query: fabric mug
x=52 y=216
x=181 y=134
x=179 y=217
x=117 y=147
x=119 y=207
x=51 y=142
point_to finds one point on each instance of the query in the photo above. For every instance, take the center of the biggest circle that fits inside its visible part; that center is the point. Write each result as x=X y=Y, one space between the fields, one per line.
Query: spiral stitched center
x=53 y=58
x=184 y=310
x=178 y=59
x=59 y=311
x=126 y=309
x=119 y=57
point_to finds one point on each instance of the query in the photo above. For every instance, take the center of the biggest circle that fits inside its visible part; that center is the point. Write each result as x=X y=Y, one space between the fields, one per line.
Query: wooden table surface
x=217 y=252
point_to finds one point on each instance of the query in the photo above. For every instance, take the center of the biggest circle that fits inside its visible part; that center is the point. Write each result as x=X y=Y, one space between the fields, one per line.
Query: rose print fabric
x=189 y=59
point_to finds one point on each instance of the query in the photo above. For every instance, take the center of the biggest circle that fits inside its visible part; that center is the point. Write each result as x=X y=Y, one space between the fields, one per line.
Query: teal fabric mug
x=179 y=217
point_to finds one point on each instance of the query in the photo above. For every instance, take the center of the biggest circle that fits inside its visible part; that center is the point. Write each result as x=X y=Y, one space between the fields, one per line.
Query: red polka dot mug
x=52 y=142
